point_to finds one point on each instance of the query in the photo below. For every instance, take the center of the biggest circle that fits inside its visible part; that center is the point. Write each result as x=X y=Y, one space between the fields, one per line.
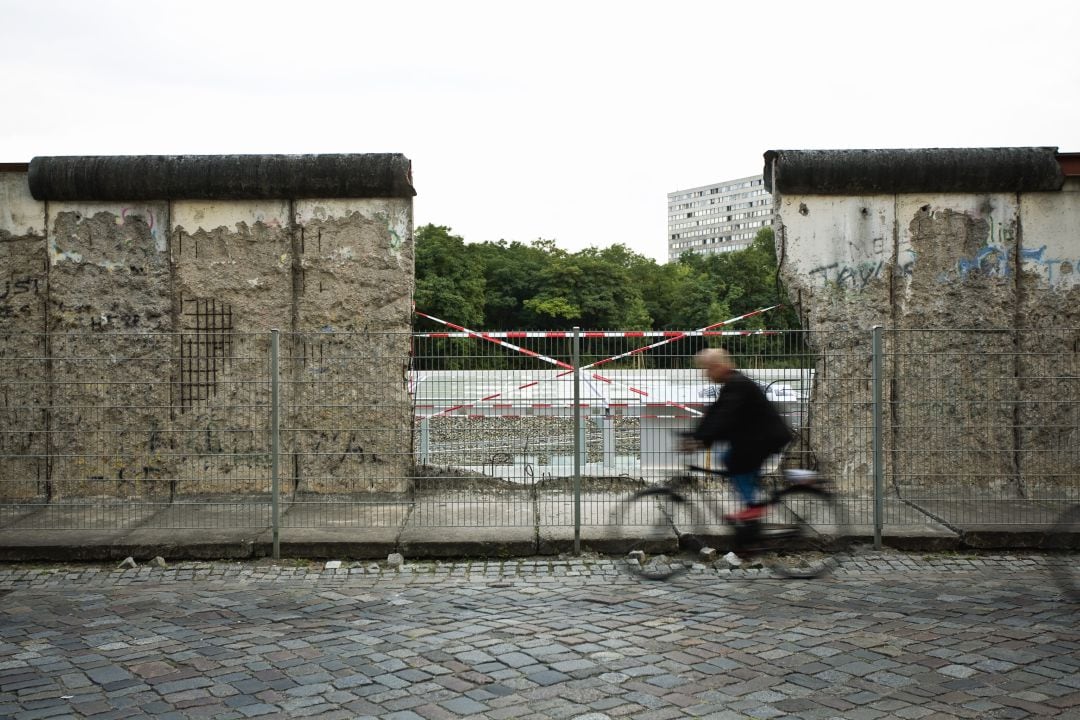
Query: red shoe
x=751 y=513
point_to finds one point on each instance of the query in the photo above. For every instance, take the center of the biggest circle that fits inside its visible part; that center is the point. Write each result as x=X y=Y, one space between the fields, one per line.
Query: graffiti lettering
x=352 y=449
x=859 y=276
x=1038 y=259
x=856 y=276
x=997 y=261
x=18 y=285
x=989 y=261
x=128 y=320
x=357 y=451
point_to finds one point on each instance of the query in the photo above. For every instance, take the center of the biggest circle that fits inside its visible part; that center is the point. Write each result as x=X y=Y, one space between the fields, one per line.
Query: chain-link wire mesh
x=346 y=430
x=126 y=430
x=983 y=426
x=395 y=430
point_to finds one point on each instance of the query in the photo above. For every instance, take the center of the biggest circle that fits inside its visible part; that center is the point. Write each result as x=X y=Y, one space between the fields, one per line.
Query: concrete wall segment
x=24 y=291
x=20 y=214
x=109 y=267
x=222 y=269
x=1051 y=233
x=893 y=171
x=237 y=256
x=960 y=252
x=220 y=177
x=837 y=255
x=354 y=271
x=998 y=250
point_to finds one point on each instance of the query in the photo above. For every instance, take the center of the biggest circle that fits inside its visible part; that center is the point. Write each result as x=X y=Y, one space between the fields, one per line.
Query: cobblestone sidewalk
x=891 y=635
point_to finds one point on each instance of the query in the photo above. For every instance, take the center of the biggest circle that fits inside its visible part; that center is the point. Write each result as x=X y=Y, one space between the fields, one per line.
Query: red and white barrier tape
x=570 y=368
x=560 y=334
x=497 y=341
x=678 y=336
x=477 y=416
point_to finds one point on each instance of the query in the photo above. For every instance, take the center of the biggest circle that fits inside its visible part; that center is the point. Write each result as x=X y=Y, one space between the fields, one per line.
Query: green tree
x=729 y=284
x=510 y=272
x=512 y=285
x=591 y=289
x=449 y=279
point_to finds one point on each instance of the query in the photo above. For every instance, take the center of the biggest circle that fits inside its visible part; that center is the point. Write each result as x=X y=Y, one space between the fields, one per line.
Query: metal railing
x=538 y=430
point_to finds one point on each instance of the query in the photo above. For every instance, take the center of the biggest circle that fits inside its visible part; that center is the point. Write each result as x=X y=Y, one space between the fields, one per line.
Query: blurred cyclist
x=743 y=417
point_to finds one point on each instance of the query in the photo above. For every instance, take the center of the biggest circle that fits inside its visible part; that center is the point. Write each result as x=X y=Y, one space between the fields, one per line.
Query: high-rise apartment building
x=717 y=218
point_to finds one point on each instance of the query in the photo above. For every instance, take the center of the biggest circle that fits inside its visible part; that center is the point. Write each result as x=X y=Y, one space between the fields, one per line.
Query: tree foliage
x=512 y=285
x=450 y=281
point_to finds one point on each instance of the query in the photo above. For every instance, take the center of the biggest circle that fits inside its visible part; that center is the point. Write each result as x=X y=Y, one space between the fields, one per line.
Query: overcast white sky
x=560 y=120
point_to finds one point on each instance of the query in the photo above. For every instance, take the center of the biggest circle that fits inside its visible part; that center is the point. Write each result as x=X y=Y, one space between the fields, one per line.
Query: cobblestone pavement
x=891 y=635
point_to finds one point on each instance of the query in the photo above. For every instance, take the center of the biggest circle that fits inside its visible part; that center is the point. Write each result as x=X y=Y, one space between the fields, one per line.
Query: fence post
x=607 y=426
x=425 y=440
x=879 y=470
x=275 y=445
x=576 y=362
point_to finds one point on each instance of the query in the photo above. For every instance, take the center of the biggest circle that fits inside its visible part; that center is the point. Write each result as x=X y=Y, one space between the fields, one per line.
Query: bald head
x=716 y=362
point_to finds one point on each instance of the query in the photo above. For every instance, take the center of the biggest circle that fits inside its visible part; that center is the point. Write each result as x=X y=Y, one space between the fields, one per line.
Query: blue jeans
x=746 y=484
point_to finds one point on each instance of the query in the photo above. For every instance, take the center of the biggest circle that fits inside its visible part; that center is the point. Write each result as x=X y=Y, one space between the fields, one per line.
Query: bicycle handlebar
x=712 y=471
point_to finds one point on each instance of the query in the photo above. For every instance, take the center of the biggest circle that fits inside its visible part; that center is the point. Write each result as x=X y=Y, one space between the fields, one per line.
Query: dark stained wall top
x=220 y=177
x=870 y=172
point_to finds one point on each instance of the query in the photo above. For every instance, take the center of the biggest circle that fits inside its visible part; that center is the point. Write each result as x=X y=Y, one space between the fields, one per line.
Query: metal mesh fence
x=346 y=430
x=983 y=426
x=391 y=431
x=109 y=430
x=498 y=409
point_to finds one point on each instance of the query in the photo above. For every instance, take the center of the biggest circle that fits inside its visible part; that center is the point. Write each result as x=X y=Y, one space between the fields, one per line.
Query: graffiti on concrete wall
x=997 y=261
x=992 y=260
x=996 y=258
x=18 y=285
x=1055 y=269
x=16 y=291
x=988 y=261
x=857 y=275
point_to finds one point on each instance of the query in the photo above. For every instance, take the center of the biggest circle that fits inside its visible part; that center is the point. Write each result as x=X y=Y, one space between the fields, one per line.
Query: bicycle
x=803 y=534
x=1066 y=569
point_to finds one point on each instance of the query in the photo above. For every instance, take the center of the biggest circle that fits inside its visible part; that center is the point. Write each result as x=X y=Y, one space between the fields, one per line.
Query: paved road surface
x=890 y=636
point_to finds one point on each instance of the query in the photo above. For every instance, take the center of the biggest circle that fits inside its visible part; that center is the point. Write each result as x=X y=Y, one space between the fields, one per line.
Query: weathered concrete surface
x=353 y=268
x=875 y=245
x=23 y=369
x=20 y=215
x=237 y=254
x=1052 y=259
x=108 y=273
x=168 y=409
x=355 y=264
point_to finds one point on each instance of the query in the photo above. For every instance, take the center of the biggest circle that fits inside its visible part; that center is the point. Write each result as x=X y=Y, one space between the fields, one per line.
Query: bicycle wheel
x=1066 y=568
x=657 y=525
x=805 y=533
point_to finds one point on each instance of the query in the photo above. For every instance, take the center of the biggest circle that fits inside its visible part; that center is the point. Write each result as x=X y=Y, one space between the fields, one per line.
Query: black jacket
x=742 y=416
